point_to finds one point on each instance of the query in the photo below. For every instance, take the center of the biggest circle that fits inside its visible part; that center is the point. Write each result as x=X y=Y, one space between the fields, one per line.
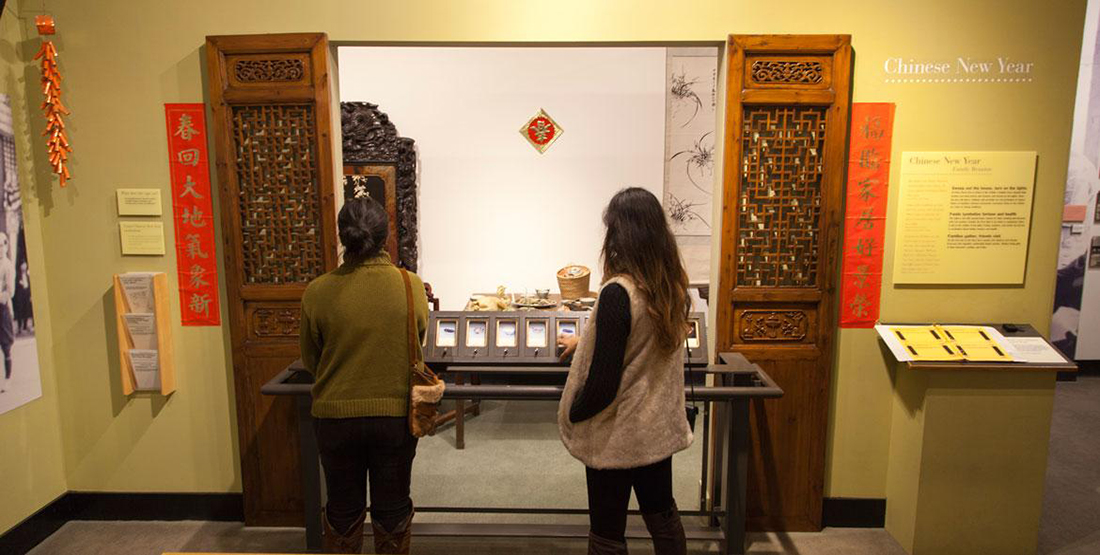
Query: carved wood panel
x=276 y=166
x=782 y=148
x=802 y=71
x=786 y=129
x=273 y=120
x=370 y=138
x=265 y=69
x=772 y=325
x=273 y=320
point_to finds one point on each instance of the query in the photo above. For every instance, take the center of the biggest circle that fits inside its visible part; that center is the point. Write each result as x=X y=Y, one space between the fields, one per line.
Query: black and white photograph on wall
x=1073 y=329
x=19 y=379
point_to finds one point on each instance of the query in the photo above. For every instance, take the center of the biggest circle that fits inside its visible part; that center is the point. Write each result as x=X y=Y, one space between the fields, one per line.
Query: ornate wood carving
x=787 y=71
x=275 y=322
x=249 y=71
x=773 y=325
x=369 y=137
x=780 y=203
x=273 y=132
x=276 y=166
x=786 y=124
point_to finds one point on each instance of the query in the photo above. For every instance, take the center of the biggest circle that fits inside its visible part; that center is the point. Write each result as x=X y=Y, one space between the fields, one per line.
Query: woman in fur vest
x=622 y=411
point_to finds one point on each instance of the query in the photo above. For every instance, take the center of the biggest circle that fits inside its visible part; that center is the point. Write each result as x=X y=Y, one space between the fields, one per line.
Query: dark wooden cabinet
x=277 y=172
x=785 y=152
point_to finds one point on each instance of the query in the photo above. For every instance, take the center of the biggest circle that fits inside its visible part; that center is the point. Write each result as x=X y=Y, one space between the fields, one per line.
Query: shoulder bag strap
x=413 y=340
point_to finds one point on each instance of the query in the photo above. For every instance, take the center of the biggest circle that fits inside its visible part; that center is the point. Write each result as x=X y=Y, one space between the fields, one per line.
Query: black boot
x=598 y=545
x=667 y=531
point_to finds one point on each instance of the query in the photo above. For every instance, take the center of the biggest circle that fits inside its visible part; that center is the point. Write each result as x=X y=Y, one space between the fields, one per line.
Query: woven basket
x=573 y=281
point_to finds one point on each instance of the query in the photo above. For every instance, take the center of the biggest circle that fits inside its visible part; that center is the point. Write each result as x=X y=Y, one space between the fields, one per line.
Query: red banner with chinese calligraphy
x=193 y=214
x=865 y=213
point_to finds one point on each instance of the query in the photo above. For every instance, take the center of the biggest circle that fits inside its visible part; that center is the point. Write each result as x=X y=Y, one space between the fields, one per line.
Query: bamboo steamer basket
x=573 y=281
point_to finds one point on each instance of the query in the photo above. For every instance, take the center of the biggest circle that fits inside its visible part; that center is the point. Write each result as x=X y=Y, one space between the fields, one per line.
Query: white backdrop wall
x=493 y=211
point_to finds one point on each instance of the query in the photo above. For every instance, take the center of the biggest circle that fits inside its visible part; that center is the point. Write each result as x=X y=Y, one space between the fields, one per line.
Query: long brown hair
x=640 y=245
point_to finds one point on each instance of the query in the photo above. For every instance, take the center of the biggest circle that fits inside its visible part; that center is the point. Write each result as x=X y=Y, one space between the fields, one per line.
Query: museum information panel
x=964 y=217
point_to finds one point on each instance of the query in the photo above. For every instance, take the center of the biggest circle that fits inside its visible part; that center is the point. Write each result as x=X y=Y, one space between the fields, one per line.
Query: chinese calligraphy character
x=859 y=306
x=193 y=217
x=868 y=158
x=200 y=303
x=542 y=130
x=872 y=128
x=189 y=188
x=185 y=130
x=188 y=157
x=194 y=247
x=866 y=246
x=197 y=273
x=865 y=220
x=866 y=189
x=862 y=274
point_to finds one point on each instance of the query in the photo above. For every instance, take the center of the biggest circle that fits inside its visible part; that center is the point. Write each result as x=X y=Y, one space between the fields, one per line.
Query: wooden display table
x=968 y=453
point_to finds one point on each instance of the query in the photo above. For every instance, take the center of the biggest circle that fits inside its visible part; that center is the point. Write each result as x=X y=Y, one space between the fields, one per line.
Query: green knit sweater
x=354 y=339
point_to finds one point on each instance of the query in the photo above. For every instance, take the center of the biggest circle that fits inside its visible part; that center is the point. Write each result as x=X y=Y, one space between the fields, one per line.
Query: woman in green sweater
x=354 y=340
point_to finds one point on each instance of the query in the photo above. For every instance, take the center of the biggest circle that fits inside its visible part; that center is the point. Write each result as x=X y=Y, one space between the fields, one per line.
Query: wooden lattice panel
x=276 y=173
x=780 y=196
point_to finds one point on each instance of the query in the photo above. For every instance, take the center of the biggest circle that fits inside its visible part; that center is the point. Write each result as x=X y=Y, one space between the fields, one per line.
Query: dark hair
x=640 y=245
x=363 y=228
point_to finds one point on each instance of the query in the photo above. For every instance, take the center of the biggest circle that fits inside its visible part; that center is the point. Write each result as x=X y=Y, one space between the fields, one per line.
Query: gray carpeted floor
x=153 y=538
x=513 y=459
x=1071 y=500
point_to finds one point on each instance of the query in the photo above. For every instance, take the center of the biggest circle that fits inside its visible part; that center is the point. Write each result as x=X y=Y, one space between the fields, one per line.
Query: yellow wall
x=31 y=470
x=122 y=61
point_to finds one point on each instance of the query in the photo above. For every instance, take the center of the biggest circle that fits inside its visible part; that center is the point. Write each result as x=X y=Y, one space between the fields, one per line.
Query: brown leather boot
x=349 y=542
x=396 y=540
x=667 y=531
x=598 y=545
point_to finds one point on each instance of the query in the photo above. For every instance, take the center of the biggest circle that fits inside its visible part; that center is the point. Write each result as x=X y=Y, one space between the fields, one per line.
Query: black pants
x=609 y=495
x=353 y=449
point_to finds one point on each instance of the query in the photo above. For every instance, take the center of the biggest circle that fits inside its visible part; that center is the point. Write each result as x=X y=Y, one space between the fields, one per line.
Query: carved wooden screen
x=370 y=141
x=786 y=130
x=273 y=122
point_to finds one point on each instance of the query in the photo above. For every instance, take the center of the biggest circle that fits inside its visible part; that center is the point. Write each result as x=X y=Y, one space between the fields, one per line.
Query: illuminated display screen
x=567 y=328
x=446 y=333
x=536 y=333
x=477 y=333
x=506 y=333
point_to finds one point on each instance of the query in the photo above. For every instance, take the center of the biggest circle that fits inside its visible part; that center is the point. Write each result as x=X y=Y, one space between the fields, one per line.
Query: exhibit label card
x=142 y=329
x=139 y=202
x=138 y=288
x=964 y=217
x=146 y=366
x=142 y=238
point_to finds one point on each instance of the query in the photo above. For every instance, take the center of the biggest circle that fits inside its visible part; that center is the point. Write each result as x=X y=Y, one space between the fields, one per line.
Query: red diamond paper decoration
x=541 y=131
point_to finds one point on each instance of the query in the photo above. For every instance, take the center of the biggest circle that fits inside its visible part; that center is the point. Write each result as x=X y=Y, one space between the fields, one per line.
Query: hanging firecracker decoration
x=57 y=142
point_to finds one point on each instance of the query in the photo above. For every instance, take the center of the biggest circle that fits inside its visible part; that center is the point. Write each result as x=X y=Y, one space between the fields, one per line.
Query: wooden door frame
x=834 y=91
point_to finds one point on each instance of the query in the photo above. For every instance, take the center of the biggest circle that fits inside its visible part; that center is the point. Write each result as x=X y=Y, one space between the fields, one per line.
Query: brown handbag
x=425 y=388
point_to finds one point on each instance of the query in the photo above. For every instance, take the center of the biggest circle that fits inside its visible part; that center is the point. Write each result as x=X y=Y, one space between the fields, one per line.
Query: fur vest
x=646 y=422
